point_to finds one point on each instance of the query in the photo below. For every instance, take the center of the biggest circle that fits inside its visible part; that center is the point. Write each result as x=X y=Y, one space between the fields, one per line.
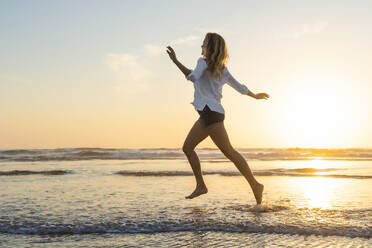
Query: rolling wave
x=302 y=172
x=214 y=155
x=178 y=225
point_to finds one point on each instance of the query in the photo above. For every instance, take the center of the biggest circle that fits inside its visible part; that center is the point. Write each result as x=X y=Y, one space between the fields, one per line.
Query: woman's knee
x=187 y=149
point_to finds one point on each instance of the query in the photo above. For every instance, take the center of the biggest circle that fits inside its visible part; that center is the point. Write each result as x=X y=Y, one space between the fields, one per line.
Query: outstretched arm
x=243 y=89
x=172 y=56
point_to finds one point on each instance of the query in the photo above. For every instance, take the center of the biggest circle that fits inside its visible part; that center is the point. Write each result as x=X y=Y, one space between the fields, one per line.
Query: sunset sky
x=96 y=74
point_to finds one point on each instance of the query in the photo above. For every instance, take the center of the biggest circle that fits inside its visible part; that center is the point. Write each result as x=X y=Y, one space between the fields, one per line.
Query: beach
x=136 y=198
x=104 y=104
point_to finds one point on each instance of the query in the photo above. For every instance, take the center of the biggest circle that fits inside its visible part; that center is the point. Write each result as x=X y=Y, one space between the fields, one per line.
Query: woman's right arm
x=172 y=56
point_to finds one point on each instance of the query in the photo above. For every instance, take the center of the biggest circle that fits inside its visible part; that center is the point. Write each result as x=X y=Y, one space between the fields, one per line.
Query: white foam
x=259 y=208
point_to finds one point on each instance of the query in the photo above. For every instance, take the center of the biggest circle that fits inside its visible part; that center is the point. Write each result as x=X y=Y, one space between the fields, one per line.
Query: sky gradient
x=96 y=74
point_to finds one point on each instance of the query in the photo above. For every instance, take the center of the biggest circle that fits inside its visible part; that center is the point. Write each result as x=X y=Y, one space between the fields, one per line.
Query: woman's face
x=204 y=48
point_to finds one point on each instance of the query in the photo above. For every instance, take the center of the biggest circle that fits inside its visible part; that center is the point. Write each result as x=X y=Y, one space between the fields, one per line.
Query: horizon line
x=211 y=148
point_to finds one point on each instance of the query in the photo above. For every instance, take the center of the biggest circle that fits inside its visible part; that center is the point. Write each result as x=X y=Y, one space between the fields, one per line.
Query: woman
x=208 y=78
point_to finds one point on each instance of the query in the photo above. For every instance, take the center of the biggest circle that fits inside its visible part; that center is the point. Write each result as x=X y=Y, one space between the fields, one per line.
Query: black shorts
x=209 y=117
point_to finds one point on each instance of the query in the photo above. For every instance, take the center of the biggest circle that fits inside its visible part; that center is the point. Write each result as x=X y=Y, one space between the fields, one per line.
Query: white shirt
x=208 y=89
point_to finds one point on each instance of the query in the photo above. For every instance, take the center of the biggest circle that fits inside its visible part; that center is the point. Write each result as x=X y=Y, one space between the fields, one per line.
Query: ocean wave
x=30 y=172
x=156 y=226
x=213 y=155
x=302 y=172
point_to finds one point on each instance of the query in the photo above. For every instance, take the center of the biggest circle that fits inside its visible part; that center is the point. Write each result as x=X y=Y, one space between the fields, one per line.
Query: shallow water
x=119 y=203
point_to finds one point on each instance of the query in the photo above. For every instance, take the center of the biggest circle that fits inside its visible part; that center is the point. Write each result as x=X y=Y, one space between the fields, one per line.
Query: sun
x=316 y=113
x=318 y=163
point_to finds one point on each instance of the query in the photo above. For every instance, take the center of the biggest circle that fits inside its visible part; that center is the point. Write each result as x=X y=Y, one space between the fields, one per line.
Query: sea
x=103 y=197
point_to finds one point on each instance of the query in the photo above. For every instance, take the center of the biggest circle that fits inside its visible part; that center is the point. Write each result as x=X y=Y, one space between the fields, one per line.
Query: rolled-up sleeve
x=198 y=71
x=241 y=88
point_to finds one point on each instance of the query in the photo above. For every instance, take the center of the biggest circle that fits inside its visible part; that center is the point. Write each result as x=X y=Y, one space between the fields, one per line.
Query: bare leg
x=195 y=136
x=219 y=136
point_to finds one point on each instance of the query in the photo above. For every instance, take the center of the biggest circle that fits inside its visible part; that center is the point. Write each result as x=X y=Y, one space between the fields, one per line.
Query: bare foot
x=198 y=191
x=257 y=191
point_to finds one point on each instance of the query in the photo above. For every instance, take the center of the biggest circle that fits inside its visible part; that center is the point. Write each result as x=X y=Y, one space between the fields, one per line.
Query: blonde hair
x=216 y=54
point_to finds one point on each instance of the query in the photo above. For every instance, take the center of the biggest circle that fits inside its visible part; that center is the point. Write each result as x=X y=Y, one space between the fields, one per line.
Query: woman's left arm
x=172 y=55
x=258 y=95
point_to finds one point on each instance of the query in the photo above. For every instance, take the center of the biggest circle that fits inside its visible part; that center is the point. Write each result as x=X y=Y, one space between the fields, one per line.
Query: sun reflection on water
x=318 y=192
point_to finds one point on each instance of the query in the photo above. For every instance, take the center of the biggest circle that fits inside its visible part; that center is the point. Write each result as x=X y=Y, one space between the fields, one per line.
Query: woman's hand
x=262 y=96
x=171 y=53
x=172 y=56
